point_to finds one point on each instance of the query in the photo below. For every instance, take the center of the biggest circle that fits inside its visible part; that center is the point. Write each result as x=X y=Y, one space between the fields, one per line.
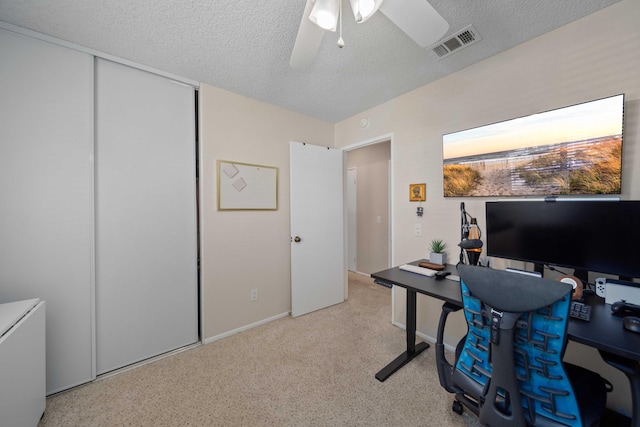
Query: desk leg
x=412 y=349
x=631 y=369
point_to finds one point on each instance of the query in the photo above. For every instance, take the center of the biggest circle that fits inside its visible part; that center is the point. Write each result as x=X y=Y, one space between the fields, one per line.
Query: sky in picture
x=575 y=123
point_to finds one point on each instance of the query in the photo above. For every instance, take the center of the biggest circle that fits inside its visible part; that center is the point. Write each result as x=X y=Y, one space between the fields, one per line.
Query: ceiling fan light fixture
x=325 y=14
x=364 y=9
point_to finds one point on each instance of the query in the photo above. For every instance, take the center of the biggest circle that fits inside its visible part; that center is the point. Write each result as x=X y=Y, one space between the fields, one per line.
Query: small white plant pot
x=438 y=258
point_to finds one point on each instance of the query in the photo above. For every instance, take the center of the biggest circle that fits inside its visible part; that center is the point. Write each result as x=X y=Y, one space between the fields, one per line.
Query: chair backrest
x=511 y=362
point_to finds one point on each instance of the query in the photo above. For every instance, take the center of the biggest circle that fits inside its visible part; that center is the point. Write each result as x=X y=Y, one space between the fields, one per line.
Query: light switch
x=379 y=219
x=417 y=230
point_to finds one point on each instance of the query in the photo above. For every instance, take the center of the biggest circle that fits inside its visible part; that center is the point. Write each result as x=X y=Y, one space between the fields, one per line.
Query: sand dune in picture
x=583 y=167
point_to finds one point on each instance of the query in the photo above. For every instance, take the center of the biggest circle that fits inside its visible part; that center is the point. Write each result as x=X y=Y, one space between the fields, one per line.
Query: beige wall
x=245 y=250
x=595 y=57
x=372 y=201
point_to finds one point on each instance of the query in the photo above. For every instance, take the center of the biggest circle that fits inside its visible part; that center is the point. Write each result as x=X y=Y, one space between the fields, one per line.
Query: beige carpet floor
x=314 y=370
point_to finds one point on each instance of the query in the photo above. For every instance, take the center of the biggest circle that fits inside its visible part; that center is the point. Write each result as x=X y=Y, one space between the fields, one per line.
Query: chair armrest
x=445 y=369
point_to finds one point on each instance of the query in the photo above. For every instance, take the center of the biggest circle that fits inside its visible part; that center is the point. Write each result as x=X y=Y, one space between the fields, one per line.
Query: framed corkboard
x=417 y=192
x=245 y=186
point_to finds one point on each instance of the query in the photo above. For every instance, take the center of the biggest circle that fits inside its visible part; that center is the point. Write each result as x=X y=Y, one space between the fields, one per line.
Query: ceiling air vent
x=462 y=39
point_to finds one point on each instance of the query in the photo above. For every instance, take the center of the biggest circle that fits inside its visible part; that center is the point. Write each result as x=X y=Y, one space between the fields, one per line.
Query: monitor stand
x=582 y=275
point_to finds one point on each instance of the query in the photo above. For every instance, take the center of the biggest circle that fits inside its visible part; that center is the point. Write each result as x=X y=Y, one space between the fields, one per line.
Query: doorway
x=368 y=189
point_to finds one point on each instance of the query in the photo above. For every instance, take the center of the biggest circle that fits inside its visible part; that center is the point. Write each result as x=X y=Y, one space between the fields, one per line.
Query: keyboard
x=419 y=270
x=580 y=310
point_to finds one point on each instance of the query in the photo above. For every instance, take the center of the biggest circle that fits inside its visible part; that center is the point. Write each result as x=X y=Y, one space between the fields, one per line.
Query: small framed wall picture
x=417 y=192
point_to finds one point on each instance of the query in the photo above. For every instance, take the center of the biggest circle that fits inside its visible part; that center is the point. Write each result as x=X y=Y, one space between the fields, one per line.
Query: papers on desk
x=418 y=270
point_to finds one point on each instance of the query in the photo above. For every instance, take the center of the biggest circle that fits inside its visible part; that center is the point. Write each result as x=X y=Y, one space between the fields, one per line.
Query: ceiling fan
x=417 y=18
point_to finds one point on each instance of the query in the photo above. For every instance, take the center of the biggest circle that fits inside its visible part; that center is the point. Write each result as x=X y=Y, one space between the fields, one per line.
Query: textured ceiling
x=244 y=45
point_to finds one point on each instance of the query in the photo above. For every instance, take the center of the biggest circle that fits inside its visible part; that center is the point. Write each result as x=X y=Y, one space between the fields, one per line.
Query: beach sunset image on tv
x=571 y=150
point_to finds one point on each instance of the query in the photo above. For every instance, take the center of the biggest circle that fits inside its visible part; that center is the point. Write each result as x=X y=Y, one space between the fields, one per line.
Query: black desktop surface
x=444 y=289
x=604 y=331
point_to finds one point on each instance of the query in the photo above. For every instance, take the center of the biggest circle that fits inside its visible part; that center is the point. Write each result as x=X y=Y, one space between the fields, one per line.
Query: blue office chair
x=509 y=368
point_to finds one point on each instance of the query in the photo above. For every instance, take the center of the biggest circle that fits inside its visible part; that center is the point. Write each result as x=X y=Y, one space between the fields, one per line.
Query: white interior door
x=146 y=266
x=352 y=219
x=317 y=228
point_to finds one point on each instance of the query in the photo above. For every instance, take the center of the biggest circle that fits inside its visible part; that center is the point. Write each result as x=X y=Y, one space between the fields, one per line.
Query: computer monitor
x=598 y=236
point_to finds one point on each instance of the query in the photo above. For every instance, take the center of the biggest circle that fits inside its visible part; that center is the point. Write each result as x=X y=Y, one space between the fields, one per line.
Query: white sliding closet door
x=146 y=272
x=46 y=195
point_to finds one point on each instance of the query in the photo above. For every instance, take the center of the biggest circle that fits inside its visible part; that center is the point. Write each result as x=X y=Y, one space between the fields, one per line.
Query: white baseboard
x=424 y=336
x=360 y=273
x=244 y=328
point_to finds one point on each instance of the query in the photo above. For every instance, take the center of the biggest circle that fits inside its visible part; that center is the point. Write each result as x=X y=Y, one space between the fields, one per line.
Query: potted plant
x=438 y=255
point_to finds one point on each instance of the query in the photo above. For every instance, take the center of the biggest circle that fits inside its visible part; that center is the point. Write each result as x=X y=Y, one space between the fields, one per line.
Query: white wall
x=592 y=58
x=244 y=250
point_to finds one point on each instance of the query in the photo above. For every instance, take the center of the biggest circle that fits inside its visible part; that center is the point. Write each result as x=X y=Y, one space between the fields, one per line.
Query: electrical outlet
x=254 y=295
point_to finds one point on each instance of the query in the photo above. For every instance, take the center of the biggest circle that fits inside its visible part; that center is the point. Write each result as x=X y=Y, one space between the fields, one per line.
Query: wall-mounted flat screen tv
x=575 y=150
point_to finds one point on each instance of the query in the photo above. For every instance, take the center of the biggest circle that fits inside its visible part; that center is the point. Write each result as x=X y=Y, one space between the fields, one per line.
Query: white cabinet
x=22 y=363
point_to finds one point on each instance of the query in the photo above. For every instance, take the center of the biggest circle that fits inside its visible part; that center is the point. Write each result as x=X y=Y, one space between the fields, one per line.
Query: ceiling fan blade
x=417 y=18
x=308 y=41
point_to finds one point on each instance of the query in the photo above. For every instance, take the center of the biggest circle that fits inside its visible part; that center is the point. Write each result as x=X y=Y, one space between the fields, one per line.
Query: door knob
x=297 y=239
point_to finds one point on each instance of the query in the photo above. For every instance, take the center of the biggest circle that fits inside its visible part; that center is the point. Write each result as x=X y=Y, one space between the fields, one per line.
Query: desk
x=617 y=347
